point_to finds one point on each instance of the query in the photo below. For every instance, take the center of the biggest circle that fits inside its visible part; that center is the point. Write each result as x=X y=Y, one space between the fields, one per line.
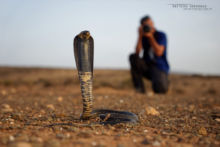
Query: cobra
x=84 y=57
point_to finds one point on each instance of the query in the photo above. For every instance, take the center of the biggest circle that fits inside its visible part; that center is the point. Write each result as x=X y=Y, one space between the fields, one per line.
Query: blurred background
x=40 y=33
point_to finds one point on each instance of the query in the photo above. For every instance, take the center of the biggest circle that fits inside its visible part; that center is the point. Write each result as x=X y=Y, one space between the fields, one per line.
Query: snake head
x=84 y=51
x=84 y=35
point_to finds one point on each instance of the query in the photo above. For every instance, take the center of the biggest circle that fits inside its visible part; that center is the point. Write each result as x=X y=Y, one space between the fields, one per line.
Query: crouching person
x=153 y=65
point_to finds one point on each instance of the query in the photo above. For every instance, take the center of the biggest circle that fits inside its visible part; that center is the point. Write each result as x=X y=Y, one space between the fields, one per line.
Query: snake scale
x=84 y=57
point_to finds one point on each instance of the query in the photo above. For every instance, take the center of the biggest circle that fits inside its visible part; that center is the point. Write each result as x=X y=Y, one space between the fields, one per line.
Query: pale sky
x=40 y=33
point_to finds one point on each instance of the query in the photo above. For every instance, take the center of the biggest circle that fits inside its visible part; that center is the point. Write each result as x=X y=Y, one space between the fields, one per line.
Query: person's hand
x=140 y=30
x=148 y=34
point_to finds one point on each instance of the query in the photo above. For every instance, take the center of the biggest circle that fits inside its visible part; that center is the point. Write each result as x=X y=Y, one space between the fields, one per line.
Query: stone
x=202 y=131
x=4 y=92
x=6 y=108
x=94 y=143
x=51 y=106
x=60 y=99
x=217 y=119
x=151 y=111
x=156 y=143
x=150 y=94
x=11 y=138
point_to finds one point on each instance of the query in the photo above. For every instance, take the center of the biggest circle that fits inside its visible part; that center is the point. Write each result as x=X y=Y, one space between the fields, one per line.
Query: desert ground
x=41 y=107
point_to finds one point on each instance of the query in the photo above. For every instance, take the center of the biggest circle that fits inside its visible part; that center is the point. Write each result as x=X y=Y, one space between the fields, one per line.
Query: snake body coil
x=84 y=52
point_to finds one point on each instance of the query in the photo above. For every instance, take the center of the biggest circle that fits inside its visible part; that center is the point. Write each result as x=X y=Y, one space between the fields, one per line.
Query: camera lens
x=146 y=28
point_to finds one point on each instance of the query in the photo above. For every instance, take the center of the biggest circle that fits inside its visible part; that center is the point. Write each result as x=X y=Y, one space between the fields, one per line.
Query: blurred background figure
x=153 y=65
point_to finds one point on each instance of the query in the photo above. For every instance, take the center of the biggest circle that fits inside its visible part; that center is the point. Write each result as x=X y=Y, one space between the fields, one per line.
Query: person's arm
x=157 y=48
x=139 y=42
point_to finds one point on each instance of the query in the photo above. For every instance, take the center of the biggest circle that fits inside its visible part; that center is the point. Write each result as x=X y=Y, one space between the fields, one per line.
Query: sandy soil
x=41 y=107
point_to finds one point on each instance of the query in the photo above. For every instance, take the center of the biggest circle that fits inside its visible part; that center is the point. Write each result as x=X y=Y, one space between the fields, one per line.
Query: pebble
x=60 y=136
x=194 y=117
x=50 y=106
x=151 y=111
x=13 y=90
x=156 y=143
x=217 y=119
x=6 y=108
x=150 y=94
x=11 y=138
x=60 y=99
x=94 y=143
x=202 y=131
x=36 y=139
x=3 y=92
x=191 y=108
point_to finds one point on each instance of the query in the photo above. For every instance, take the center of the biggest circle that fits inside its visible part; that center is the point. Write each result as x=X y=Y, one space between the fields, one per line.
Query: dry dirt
x=41 y=107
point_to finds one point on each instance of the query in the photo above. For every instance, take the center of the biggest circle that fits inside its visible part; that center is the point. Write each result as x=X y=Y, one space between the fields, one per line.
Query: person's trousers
x=140 y=69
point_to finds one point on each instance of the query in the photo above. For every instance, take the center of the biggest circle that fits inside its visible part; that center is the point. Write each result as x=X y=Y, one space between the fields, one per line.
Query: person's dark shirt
x=150 y=57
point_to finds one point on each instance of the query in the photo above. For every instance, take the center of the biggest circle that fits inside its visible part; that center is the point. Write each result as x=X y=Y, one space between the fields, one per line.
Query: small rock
x=202 y=131
x=68 y=135
x=50 y=106
x=151 y=111
x=94 y=143
x=194 y=117
x=150 y=94
x=36 y=139
x=60 y=136
x=13 y=90
x=191 y=108
x=60 y=99
x=121 y=101
x=3 y=92
x=11 y=138
x=6 y=108
x=217 y=119
x=156 y=143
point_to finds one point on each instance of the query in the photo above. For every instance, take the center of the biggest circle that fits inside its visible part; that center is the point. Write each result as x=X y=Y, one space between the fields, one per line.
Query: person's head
x=146 y=20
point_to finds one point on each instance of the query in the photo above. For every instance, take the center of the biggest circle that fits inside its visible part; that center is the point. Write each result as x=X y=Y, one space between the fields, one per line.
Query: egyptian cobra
x=84 y=54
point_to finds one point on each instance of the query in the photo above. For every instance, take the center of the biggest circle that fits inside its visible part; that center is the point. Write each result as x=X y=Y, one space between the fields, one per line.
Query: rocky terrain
x=41 y=108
